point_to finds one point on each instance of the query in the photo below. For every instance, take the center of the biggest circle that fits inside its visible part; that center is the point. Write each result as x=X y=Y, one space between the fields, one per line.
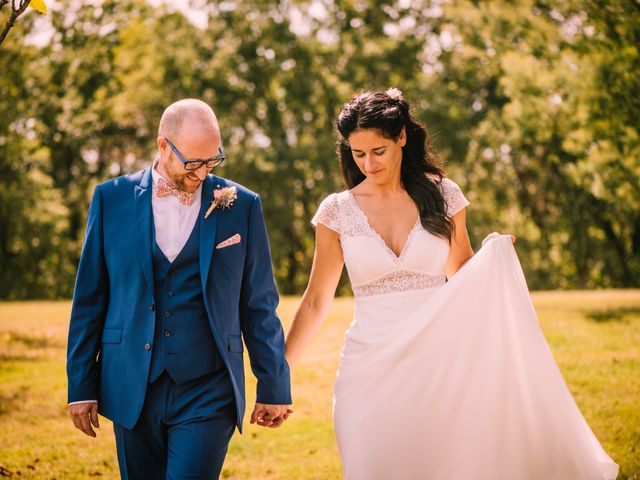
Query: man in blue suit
x=175 y=272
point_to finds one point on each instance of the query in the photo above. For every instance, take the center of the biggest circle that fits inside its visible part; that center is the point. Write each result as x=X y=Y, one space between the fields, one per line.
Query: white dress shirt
x=173 y=221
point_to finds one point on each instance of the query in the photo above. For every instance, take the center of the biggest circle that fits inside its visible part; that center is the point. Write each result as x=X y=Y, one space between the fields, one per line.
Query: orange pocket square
x=229 y=241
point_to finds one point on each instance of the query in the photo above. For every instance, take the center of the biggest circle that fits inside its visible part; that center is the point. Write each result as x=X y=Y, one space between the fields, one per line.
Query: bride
x=445 y=373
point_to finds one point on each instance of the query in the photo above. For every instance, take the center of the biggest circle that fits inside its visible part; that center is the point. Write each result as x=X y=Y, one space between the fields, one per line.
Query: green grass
x=595 y=337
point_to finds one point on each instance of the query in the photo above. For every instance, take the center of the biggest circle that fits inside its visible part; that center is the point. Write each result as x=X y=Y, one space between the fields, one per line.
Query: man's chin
x=189 y=185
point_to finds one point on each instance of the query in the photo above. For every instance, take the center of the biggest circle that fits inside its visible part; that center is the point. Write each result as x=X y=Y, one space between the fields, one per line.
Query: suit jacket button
x=167 y=313
x=147 y=347
x=152 y=307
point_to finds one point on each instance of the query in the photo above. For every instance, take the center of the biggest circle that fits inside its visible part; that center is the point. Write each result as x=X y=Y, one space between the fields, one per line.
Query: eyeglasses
x=196 y=164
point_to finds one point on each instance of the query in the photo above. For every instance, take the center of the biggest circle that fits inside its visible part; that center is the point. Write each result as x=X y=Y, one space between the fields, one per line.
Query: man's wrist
x=81 y=401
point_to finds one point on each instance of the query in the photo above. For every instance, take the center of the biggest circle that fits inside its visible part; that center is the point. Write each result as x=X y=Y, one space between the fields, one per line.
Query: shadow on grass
x=16 y=347
x=31 y=341
x=20 y=357
x=622 y=314
x=12 y=400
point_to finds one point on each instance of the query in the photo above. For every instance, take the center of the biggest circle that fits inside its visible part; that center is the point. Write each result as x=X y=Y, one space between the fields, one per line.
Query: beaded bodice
x=374 y=269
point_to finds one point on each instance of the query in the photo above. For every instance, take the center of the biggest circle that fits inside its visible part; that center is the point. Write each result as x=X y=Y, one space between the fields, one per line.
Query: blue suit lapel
x=207 y=230
x=142 y=195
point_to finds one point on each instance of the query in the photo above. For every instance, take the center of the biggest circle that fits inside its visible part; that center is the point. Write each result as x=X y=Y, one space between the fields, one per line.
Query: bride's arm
x=460 y=250
x=317 y=298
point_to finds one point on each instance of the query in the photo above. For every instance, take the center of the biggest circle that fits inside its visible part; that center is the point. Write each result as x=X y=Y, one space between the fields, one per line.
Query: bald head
x=188 y=117
x=192 y=128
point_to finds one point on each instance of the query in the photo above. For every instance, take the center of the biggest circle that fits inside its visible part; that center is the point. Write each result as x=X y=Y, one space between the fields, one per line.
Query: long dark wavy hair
x=389 y=113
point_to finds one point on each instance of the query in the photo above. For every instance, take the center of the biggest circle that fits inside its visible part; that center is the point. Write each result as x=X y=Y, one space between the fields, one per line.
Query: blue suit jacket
x=113 y=302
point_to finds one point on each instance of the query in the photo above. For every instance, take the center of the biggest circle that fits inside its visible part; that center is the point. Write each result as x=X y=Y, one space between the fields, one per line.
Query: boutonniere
x=222 y=197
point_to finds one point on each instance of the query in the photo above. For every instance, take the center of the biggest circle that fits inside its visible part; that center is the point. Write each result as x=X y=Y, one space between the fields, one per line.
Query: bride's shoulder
x=333 y=210
x=445 y=183
x=335 y=200
x=447 y=186
x=452 y=194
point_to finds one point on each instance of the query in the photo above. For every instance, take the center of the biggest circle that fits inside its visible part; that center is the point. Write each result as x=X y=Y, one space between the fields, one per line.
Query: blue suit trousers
x=183 y=431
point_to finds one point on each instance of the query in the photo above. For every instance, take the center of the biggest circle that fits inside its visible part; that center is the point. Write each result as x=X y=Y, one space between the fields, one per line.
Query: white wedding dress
x=449 y=380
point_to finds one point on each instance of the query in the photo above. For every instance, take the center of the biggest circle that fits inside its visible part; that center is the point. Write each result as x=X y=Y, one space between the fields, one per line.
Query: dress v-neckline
x=403 y=252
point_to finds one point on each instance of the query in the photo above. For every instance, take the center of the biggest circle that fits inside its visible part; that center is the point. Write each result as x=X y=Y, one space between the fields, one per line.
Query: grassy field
x=595 y=337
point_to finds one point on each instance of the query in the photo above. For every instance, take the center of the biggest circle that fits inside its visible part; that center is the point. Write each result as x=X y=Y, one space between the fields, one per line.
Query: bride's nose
x=368 y=163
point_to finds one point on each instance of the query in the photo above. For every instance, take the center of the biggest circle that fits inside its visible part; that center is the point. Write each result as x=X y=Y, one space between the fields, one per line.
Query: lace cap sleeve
x=327 y=213
x=454 y=197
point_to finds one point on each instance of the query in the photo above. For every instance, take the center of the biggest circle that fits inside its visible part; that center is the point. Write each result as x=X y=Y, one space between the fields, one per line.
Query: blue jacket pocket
x=111 y=335
x=235 y=343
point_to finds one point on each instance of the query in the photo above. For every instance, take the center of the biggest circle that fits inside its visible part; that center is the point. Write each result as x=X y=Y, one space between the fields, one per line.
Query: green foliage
x=556 y=158
x=533 y=106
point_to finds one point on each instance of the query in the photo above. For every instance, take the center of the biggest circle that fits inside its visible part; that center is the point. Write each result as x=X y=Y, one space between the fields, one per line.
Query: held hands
x=272 y=416
x=83 y=416
x=496 y=234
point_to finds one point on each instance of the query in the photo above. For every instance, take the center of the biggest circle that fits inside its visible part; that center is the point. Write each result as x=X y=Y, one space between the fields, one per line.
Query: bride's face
x=379 y=158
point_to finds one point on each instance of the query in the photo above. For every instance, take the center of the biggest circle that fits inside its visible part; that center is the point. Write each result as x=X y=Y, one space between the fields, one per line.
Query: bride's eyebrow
x=362 y=151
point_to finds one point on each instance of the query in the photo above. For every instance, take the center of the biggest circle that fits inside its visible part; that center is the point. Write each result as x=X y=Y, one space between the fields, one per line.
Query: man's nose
x=201 y=173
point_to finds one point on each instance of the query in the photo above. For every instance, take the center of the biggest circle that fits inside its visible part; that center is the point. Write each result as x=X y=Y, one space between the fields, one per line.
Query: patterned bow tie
x=164 y=188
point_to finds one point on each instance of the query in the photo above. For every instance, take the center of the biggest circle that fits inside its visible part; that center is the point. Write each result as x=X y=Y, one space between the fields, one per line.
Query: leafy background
x=532 y=104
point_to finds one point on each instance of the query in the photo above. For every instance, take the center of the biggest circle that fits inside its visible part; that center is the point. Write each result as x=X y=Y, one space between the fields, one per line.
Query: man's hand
x=271 y=416
x=83 y=416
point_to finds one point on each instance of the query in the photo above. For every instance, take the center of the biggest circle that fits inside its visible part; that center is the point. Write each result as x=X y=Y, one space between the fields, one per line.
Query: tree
x=532 y=106
x=17 y=9
x=553 y=152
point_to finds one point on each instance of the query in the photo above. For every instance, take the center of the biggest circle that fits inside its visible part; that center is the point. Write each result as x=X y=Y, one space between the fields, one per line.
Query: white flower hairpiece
x=395 y=93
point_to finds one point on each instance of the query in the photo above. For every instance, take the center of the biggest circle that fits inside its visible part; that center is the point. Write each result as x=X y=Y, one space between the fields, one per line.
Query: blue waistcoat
x=183 y=344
